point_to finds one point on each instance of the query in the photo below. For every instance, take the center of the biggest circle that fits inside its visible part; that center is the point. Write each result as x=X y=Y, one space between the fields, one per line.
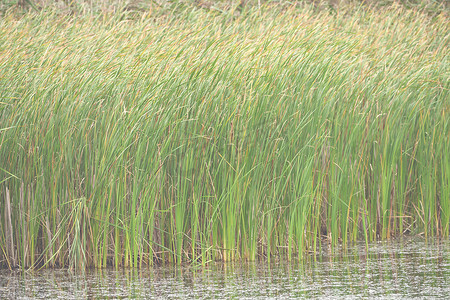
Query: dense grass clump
x=203 y=135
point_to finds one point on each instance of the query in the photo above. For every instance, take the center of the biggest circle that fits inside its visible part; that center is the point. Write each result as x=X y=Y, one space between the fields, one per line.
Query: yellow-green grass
x=198 y=135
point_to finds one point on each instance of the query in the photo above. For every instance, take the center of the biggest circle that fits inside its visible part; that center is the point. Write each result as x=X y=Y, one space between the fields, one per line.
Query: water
x=410 y=268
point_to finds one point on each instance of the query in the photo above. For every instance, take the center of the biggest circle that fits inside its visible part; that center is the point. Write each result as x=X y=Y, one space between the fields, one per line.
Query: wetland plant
x=196 y=135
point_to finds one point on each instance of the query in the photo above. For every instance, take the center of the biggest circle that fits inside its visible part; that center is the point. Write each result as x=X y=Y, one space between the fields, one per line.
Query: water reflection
x=409 y=268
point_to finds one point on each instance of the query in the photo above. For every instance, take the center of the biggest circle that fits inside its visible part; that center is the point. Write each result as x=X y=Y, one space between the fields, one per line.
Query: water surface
x=408 y=268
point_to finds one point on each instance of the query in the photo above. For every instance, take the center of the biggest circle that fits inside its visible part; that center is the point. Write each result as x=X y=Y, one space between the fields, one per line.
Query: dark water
x=412 y=268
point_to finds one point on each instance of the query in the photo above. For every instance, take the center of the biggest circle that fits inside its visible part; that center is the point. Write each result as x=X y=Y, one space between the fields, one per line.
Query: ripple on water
x=409 y=268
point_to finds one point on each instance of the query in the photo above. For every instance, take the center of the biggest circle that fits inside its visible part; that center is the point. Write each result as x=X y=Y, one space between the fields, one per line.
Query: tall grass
x=199 y=135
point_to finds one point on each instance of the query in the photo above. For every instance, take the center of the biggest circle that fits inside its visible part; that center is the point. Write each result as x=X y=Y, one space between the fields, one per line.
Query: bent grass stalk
x=193 y=137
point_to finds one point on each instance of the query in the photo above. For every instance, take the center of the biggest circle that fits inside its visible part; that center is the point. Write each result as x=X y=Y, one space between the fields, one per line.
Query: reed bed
x=197 y=135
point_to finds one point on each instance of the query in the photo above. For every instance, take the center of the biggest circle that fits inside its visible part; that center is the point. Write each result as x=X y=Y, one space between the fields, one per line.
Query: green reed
x=199 y=135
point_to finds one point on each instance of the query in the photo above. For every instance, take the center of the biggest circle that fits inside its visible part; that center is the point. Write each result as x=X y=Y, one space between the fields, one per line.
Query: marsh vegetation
x=196 y=134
